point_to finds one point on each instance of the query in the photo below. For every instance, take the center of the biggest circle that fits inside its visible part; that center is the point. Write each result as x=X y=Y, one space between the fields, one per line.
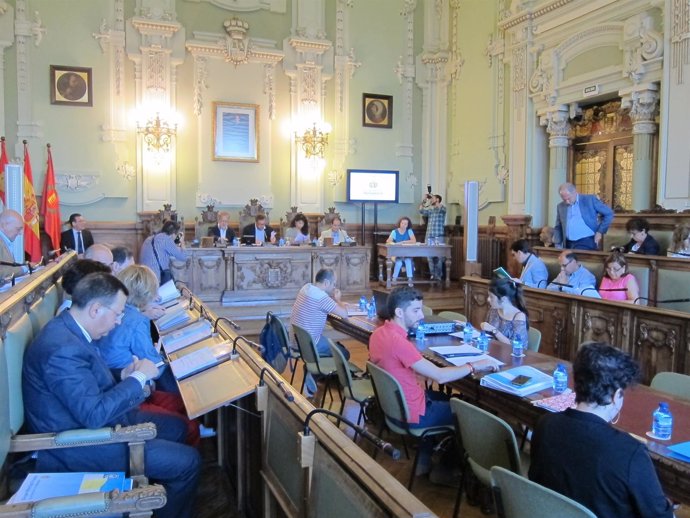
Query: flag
x=3 y=162
x=50 y=205
x=32 y=237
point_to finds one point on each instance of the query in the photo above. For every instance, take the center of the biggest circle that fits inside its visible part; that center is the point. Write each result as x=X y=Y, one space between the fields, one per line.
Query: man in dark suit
x=581 y=220
x=222 y=230
x=67 y=384
x=259 y=232
x=76 y=238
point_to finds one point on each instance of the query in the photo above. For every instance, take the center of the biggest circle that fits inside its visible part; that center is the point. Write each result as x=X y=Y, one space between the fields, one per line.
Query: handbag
x=165 y=274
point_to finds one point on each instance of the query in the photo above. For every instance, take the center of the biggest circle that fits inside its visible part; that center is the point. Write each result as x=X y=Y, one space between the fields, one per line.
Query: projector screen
x=371 y=185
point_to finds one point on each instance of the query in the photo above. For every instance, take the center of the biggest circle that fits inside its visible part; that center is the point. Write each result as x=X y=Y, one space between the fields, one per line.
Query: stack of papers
x=200 y=360
x=503 y=381
x=460 y=354
x=179 y=318
x=39 y=486
x=186 y=336
x=168 y=292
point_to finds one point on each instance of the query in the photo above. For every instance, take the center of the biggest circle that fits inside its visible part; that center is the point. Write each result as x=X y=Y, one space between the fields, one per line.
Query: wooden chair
x=249 y=212
x=453 y=315
x=360 y=391
x=391 y=399
x=518 y=497
x=326 y=220
x=672 y=383
x=487 y=440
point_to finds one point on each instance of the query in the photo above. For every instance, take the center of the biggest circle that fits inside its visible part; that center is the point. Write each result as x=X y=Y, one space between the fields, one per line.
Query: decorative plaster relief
x=274 y=6
x=74 y=182
x=4 y=6
x=680 y=37
x=126 y=170
x=200 y=84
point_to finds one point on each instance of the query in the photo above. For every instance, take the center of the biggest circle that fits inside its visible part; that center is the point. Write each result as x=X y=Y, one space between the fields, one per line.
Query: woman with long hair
x=507 y=318
x=298 y=233
x=680 y=242
x=402 y=233
x=617 y=283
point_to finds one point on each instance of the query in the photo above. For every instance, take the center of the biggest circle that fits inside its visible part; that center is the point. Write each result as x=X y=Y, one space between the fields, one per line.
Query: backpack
x=273 y=339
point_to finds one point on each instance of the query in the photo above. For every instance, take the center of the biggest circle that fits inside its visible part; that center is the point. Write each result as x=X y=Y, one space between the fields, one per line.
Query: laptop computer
x=435 y=325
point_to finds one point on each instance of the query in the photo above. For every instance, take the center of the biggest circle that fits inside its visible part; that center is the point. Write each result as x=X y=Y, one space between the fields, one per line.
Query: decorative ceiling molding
x=274 y=6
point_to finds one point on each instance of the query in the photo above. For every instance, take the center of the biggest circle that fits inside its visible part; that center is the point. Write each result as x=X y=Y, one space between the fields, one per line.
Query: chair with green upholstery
x=360 y=391
x=314 y=364
x=487 y=440
x=453 y=315
x=672 y=383
x=518 y=497
x=533 y=339
x=43 y=310
x=427 y=311
x=391 y=400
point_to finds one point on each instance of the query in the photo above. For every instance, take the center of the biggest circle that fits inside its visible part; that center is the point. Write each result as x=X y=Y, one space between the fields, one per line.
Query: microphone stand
x=235 y=354
x=380 y=444
x=281 y=385
x=224 y=319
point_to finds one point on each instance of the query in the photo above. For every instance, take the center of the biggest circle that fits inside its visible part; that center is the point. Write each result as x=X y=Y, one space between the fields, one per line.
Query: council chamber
x=237 y=148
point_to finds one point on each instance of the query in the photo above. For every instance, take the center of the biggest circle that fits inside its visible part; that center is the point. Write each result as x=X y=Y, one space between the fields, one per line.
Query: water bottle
x=371 y=309
x=662 y=422
x=420 y=331
x=281 y=242
x=517 y=347
x=483 y=342
x=235 y=242
x=373 y=305
x=362 y=303
x=560 y=379
x=467 y=333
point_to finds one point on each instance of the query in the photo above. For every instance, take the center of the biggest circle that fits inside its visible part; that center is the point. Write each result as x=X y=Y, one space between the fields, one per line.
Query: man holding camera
x=433 y=208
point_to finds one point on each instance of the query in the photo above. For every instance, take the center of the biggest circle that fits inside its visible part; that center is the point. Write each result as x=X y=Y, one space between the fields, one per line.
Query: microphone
x=233 y=324
x=53 y=253
x=256 y=346
x=613 y=289
x=382 y=445
x=681 y=253
x=545 y=281
x=11 y=263
x=667 y=301
x=286 y=393
x=428 y=188
x=562 y=285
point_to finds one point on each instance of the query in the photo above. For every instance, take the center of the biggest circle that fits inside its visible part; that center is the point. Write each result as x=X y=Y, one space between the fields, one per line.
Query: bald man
x=11 y=225
x=100 y=253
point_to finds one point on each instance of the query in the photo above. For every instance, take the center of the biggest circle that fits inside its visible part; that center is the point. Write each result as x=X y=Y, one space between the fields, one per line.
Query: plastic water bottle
x=373 y=305
x=662 y=422
x=420 y=332
x=235 y=242
x=281 y=242
x=362 y=303
x=467 y=333
x=371 y=309
x=483 y=342
x=560 y=379
x=517 y=347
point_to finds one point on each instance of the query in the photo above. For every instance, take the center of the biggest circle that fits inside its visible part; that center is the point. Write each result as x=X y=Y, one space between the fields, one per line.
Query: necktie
x=80 y=244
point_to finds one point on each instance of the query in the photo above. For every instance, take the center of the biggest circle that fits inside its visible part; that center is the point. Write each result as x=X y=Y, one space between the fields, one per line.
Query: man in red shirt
x=390 y=349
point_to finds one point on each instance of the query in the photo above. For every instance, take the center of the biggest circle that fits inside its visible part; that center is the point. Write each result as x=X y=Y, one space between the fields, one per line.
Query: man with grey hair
x=100 y=253
x=222 y=229
x=581 y=220
x=11 y=225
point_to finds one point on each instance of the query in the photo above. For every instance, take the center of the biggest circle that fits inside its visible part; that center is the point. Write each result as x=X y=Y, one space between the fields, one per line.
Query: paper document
x=186 y=336
x=39 y=486
x=503 y=381
x=168 y=292
x=353 y=310
x=169 y=322
x=200 y=360
x=460 y=354
x=557 y=403
x=461 y=335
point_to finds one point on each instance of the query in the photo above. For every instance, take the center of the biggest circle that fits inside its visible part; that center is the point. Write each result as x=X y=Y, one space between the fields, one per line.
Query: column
x=557 y=124
x=643 y=103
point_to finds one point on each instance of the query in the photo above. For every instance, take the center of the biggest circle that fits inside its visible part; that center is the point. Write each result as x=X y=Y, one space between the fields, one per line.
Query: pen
x=460 y=355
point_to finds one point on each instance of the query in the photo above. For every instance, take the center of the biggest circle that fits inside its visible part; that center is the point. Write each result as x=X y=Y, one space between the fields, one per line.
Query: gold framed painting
x=235 y=132
x=377 y=111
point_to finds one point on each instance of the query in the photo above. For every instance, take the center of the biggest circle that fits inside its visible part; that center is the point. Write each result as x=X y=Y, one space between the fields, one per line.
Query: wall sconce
x=157 y=133
x=313 y=141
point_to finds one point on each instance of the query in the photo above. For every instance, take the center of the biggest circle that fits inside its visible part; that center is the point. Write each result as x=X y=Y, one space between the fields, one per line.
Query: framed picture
x=377 y=111
x=70 y=86
x=235 y=132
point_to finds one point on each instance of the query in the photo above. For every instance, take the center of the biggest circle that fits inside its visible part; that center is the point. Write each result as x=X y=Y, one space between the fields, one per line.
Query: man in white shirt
x=11 y=225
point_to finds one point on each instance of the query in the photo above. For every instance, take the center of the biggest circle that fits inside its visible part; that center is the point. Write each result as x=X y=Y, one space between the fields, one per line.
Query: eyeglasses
x=615 y=269
x=563 y=266
x=118 y=315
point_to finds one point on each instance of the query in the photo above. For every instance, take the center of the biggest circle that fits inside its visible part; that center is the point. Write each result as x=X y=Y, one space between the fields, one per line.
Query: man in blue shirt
x=581 y=220
x=574 y=278
x=433 y=208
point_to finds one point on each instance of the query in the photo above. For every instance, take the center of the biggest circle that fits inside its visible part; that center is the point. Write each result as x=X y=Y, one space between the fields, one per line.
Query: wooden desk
x=636 y=417
x=388 y=251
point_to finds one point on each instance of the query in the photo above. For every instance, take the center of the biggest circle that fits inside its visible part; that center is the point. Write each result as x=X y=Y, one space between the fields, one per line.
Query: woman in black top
x=641 y=242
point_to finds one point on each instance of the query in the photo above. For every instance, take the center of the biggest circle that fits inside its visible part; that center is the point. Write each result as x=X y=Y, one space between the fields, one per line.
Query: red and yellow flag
x=3 y=162
x=32 y=237
x=50 y=205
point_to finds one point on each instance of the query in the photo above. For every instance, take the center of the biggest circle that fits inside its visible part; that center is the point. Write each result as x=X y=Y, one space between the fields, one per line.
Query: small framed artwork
x=70 y=86
x=235 y=132
x=377 y=111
